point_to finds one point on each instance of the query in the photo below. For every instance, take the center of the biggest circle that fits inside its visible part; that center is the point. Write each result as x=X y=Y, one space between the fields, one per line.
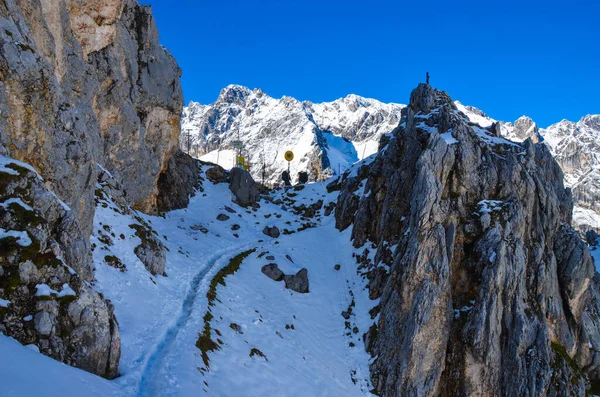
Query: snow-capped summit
x=326 y=138
x=234 y=93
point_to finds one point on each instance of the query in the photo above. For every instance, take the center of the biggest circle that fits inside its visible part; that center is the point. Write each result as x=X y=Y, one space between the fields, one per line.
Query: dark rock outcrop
x=243 y=187
x=271 y=231
x=272 y=271
x=178 y=182
x=217 y=174
x=45 y=264
x=489 y=291
x=297 y=282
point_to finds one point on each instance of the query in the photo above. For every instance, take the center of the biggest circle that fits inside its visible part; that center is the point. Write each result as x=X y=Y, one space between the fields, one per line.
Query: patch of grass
x=231 y=268
x=115 y=262
x=562 y=352
x=205 y=343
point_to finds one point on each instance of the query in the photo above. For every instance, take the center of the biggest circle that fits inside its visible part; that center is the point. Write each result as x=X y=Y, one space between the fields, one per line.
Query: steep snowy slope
x=309 y=347
x=325 y=138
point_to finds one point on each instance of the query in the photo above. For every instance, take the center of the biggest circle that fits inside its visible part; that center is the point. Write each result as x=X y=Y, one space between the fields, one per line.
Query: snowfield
x=306 y=347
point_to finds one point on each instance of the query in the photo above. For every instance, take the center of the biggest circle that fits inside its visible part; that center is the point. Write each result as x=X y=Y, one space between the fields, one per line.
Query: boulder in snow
x=243 y=187
x=271 y=231
x=298 y=282
x=222 y=217
x=273 y=272
x=216 y=174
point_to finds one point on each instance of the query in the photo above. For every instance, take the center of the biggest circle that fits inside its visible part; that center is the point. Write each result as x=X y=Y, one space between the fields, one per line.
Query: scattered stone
x=271 y=231
x=297 y=282
x=229 y=209
x=216 y=174
x=346 y=315
x=235 y=226
x=115 y=262
x=236 y=328
x=270 y=258
x=222 y=217
x=337 y=267
x=273 y=272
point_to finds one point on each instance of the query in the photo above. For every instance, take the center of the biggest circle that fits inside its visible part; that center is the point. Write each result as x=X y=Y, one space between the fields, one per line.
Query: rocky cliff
x=483 y=286
x=84 y=86
x=575 y=147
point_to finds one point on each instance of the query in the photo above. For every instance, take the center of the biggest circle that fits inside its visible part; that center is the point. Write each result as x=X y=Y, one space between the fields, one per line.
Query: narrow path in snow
x=150 y=381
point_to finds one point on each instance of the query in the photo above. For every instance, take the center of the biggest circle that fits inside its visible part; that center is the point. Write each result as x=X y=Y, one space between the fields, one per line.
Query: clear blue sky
x=507 y=58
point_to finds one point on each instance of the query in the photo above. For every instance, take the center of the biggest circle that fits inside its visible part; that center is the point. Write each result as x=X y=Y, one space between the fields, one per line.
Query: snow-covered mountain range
x=326 y=138
x=576 y=147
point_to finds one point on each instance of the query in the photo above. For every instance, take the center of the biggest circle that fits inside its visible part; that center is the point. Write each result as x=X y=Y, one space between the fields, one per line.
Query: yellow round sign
x=289 y=156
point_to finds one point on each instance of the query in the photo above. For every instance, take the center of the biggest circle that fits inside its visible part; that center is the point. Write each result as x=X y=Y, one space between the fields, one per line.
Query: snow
x=447 y=136
x=28 y=373
x=22 y=237
x=160 y=317
x=224 y=158
x=6 y=161
x=17 y=201
x=341 y=153
x=487 y=206
x=28 y=318
x=4 y=302
x=45 y=290
x=586 y=217
x=474 y=115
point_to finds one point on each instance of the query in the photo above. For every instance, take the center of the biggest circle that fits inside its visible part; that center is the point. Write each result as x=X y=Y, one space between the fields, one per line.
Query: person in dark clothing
x=427 y=78
x=302 y=177
x=286 y=178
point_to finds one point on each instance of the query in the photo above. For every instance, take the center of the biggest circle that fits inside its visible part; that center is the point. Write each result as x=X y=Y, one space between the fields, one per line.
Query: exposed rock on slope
x=326 y=138
x=82 y=84
x=489 y=291
x=44 y=264
x=85 y=83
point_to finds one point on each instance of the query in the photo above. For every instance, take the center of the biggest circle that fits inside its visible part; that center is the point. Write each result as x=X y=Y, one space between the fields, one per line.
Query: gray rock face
x=297 y=282
x=271 y=231
x=490 y=291
x=178 y=182
x=71 y=322
x=243 y=187
x=85 y=83
x=272 y=271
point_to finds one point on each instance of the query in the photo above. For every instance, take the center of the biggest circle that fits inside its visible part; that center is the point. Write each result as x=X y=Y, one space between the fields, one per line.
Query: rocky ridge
x=575 y=147
x=483 y=286
x=326 y=138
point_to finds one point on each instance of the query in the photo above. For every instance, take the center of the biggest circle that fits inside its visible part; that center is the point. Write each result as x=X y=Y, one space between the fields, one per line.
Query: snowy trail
x=149 y=380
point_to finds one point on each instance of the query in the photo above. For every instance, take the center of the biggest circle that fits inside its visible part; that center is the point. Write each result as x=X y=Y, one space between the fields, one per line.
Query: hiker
x=302 y=177
x=427 y=78
x=286 y=178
